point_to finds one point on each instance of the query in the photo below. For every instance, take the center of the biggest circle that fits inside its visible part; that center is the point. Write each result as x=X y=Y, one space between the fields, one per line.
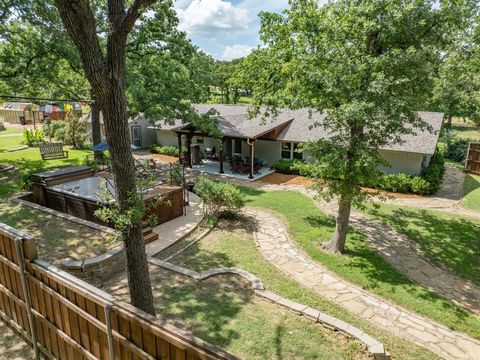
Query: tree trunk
x=449 y=121
x=337 y=244
x=96 y=128
x=106 y=75
x=116 y=127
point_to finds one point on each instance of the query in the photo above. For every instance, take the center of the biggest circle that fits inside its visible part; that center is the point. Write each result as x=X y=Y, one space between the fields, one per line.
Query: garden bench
x=50 y=151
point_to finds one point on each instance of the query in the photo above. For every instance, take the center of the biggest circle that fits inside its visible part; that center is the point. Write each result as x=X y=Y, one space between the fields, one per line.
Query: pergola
x=191 y=132
x=246 y=131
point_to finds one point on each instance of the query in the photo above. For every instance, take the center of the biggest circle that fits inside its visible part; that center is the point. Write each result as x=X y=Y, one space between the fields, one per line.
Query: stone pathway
x=276 y=246
x=174 y=230
x=407 y=258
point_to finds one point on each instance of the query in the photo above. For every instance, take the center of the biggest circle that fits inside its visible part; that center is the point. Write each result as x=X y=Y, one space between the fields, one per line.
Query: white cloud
x=211 y=18
x=236 y=51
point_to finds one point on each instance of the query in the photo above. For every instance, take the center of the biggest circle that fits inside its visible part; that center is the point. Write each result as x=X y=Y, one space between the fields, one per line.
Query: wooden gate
x=472 y=162
x=63 y=317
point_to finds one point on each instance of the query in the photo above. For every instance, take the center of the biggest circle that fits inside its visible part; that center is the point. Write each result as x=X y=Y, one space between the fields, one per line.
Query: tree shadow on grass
x=206 y=308
x=373 y=272
x=471 y=184
x=449 y=242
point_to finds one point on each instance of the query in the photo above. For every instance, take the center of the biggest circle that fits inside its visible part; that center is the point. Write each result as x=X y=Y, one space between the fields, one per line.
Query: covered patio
x=232 y=152
x=212 y=167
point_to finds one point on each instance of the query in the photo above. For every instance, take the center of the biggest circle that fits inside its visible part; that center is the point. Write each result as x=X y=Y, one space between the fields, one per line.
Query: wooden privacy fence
x=63 y=317
x=472 y=162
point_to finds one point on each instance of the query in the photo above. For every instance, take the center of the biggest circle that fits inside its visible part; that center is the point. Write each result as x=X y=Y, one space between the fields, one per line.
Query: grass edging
x=375 y=348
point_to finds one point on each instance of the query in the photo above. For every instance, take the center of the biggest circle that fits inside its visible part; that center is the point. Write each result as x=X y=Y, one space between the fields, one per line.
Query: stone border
x=98 y=268
x=375 y=348
x=199 y=237
x=19 y=199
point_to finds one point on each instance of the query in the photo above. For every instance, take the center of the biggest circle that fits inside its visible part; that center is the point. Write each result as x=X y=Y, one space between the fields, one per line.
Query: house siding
x=403 y=162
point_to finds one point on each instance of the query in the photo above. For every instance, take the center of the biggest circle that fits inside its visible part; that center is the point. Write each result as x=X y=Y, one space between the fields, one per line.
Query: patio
x=213 y=167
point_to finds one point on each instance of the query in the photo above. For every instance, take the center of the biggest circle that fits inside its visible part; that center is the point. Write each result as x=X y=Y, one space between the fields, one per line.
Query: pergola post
x=222 y=155
x=251 y=144
x=189 y=151
x=179 y=136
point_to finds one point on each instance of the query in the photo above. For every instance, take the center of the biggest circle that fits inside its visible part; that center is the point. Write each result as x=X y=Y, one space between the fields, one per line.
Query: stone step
x=147 y=230
x=150 y=238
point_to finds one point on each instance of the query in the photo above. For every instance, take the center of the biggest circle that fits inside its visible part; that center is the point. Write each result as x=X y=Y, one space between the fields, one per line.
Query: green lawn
x=223 y=311
x=448 y=241
x=471 y=193
x=231 y=244
x=361 y=265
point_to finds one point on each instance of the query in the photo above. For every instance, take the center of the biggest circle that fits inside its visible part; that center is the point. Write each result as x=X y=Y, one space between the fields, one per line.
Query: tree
x=105 y=71
x=75 y=132
x=365 y=67
x=457 y=85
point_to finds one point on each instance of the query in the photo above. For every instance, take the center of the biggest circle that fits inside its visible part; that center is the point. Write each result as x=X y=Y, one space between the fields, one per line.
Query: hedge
x=164 y=150
x=427 y=183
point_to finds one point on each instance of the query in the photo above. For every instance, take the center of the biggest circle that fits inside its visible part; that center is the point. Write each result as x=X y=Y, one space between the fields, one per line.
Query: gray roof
x=297 y=126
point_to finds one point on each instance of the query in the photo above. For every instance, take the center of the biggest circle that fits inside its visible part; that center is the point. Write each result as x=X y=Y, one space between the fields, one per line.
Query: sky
x=225 y=29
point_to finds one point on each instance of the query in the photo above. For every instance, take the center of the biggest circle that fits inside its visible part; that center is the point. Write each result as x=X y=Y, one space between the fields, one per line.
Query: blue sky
x=225 y=29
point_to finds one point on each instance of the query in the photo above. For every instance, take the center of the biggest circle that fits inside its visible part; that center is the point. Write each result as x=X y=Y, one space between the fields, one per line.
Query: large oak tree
x=367 y=65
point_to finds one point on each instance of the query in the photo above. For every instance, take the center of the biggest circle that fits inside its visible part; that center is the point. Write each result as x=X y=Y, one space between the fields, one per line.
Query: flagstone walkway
x=275 y=244
x=407 y=258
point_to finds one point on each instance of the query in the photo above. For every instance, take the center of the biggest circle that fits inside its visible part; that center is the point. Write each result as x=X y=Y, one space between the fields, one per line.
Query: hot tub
x=81 y=195
x=93 y=188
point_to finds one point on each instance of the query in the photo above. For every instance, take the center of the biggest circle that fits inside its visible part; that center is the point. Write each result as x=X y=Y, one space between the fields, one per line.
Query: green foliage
x=288 y=166
x=433 y=174
x=219 y=198
x=361 y=67
x=75 y=130
x=428 y=183
x=456 y=149
x=26 y=177
x=164 y=150
x=55 y=129
x=32 y=136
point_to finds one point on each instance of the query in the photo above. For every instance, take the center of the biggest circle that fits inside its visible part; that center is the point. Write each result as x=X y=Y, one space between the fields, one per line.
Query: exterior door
x=137 y=136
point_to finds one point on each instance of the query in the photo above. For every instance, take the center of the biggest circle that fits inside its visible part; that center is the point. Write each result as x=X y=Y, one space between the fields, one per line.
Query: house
x=269 y=140
x=141 y=135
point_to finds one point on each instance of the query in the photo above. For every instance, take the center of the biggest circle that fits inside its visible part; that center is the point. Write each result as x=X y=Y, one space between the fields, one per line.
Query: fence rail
x=63 y=317
x=472 y=162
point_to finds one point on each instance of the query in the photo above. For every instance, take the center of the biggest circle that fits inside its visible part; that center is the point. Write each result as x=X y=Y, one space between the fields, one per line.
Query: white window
x=291 y=151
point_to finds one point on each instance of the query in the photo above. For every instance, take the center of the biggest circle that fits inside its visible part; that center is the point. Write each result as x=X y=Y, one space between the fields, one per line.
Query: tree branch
x=133 y=13
x=79 y=21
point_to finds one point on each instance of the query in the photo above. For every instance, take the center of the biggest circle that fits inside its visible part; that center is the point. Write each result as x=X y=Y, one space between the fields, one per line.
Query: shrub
x=56 y=129
x=2 y=125
x=420 y=186
x=26 y=178
x=428 y=183
x=396 y=183
x=219 y=198
x=32 y=136
x=456 y=149
x=164 y=150
x=433 y=174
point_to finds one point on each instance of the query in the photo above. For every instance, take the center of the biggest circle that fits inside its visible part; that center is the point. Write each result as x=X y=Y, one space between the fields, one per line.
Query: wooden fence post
x=108 y=323
x=26 y=295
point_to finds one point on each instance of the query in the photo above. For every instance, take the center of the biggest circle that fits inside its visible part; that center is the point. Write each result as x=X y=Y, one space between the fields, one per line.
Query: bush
x=32 y=136
x=428 y=183
x=56 y=129
x=219 y=198
x=2 y=126
x=433 y=174
x=456 y=149
x=26 y=178
x=420 y=186
x=164 y=150
x=396 y=183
